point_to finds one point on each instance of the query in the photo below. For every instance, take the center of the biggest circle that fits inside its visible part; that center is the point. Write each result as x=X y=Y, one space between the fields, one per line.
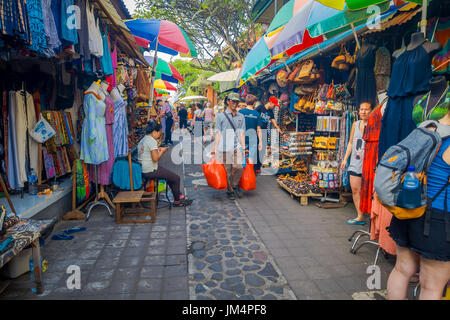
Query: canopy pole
x=356 y=36
x=423 y=23
x=152 y=84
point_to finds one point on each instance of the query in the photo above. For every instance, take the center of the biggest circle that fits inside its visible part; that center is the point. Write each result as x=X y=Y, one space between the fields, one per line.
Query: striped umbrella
x=164 y=85
x=356 y=4
x=318 y=20
x=163 y=67
x=166 y=33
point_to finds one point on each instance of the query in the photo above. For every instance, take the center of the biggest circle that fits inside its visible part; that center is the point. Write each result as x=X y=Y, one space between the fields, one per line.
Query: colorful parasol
x=258 y=58
x=314 y=20
x=167 y=33
x=163 y=67
x=355 y=4
x=164 y=85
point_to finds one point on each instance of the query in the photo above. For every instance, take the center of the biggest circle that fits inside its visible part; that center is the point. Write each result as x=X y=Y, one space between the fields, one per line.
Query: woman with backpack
x=355 y=151
x=429 y=252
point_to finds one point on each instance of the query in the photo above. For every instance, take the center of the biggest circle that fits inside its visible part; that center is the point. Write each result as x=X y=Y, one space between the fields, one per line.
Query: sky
x=131 y=5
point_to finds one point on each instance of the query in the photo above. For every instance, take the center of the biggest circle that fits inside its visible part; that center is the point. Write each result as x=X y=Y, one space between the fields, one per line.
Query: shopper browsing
x=209 y=115
x=267 y=120
x=149 y=156
x=253 y=134
x=229 y=143
x=414 y=249
x=355 y=151
x=183 y=116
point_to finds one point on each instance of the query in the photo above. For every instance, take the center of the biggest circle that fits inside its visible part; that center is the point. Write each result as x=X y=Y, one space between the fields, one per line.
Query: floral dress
x=94 y=142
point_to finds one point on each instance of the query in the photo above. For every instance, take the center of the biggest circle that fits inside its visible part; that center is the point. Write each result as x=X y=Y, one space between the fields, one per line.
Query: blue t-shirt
x=252 y=121
x=266 y=116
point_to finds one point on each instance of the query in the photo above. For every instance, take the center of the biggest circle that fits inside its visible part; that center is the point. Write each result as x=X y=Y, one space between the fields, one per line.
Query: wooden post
x=40 y=165
x=36 y=249
x=5 y=190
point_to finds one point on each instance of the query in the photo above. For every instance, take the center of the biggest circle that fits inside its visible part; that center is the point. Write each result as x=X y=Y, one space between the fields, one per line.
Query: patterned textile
x=50 y=25
x=441 y=60
x=82 y=181
x=48 y=164
x=94 y=143
x=371 y=136
x=14 y=19
x=24 y=233
x=37 y=28
x=382 y=68
x=120 y=129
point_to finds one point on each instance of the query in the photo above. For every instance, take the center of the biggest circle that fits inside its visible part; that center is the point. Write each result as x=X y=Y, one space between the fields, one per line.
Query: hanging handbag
x=305 y=89
x=341 y=58
x=305 y=71
x=322 y=94
x=282 y=78
x=299 y=105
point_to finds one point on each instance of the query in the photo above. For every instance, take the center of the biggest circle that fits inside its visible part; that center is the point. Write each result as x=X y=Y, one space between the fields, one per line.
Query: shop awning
x=328 y=43
x=400 y=18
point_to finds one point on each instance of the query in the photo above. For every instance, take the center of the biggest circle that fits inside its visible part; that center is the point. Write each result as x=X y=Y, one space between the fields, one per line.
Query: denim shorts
x=409 y=233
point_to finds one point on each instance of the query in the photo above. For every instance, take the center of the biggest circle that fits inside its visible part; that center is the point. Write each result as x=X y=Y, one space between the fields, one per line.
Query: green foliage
x=212 y=25
x=191 y=75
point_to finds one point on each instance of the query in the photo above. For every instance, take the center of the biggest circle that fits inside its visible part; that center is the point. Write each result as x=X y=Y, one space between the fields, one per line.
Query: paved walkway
x=263 y=246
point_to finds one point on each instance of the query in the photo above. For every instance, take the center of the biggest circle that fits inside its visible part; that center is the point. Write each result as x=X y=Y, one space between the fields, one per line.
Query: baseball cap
x=234 y=96
x=274 y=100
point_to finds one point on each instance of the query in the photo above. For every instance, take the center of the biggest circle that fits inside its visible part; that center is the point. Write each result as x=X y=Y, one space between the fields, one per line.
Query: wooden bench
x=136 y=199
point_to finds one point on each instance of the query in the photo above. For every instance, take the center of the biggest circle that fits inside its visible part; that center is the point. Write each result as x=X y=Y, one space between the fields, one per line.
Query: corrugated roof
x=400 y=18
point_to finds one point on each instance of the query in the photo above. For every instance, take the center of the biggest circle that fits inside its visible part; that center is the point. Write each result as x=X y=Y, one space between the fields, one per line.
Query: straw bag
x=310 y=104
x=304 y=89
x=282 y=78
x=305 y=71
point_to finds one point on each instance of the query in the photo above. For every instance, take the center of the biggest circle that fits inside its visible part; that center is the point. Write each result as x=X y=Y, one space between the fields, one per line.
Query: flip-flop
x=354 y=222
x=74 y=229
x=62 y=236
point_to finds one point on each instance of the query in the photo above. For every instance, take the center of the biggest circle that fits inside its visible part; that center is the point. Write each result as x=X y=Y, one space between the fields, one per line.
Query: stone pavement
x=262 y=246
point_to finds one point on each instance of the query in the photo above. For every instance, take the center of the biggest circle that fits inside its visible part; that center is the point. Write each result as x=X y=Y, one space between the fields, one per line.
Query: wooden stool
x=135 y=198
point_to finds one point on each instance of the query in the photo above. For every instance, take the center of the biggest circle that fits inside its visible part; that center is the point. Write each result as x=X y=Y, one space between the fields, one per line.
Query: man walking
x=253 y=134
x=229 y=144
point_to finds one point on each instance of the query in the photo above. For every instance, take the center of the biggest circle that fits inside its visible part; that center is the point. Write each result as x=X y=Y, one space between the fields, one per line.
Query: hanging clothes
x=120 y=128
x=13 y=159
x=50 y=25
x=371 y=137
x=365 y=76
x=83 y=30
x=37 y=27
x=14 y=19
x=68 y=22
x=107 y=65
x=104 y=170
x=142 y=85
x=95 y=39
x=411 y=75
x=382 y=68
x=94 y=141
x=380 y=221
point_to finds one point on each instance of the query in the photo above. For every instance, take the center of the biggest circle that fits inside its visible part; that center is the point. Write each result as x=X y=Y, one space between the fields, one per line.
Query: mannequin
x=365 y=45
x=437 y=87
x=398 y=52
x=104 y=86
x=121 y=88
x=95 y=88
x=418 y=39
x=115 y=94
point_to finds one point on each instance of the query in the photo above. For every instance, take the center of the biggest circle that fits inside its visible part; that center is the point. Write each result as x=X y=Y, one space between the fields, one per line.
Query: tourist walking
x=355 y=151
x=229 y=144
x=253 y=133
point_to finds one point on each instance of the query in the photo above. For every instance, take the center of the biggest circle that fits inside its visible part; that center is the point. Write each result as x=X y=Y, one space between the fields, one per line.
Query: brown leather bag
x=305 y=71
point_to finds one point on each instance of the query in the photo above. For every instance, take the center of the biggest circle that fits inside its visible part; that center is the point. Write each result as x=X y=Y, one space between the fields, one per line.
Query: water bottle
x=411 y=181
x=410 y=196
x=32 y=183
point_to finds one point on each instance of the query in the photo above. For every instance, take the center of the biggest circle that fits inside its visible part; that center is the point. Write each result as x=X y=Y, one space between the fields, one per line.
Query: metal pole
x=152 y=84
x=356 y=36
x=423 y=23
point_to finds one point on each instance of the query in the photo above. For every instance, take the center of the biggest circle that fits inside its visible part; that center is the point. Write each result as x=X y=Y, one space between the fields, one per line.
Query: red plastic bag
x=248 y=178
x=215 y=174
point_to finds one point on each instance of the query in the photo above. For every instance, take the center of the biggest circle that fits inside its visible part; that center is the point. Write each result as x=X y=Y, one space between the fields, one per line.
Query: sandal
x=74 y=229
x=183 y=203
x=62 y=236
x=355 y=222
